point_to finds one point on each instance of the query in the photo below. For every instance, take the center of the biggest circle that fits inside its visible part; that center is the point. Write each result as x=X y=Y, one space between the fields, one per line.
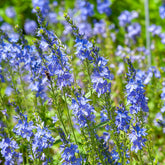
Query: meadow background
x=80 y=82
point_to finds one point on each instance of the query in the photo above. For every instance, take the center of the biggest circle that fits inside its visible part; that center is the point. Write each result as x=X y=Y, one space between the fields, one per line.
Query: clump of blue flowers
x=63 y=101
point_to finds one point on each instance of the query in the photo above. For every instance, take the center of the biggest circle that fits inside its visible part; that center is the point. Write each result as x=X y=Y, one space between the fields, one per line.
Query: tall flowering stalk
x=138 y=108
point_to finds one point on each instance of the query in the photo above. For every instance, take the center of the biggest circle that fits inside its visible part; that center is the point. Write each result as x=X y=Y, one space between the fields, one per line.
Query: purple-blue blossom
x=9 y=91
x=40 y=87
x=42 y=139
x=135 y=96
x=155 y=30
x=104 y=118
x=10 y=12
x=158 y=117
x=30 y=27
x=1 y=19
x=134 y=30
x=6 y=27
x=86 y=9
x=9 y=151
x=100 y=85
x=137 y=138
x=24 y=128
x=55 y=119
x=69 y=154
x=122 y=119
x=85 y=29
x=83 y=49
x=101 y=76
x=163 y=97
x=100 y=28
x=126 y=17
x=162 y=36
x=135 y=92
x=162 y=11
x=64 y=78
x=103 y=6
x=57 y=61
x=52 y=17
x=83 y=112
x=43 y=5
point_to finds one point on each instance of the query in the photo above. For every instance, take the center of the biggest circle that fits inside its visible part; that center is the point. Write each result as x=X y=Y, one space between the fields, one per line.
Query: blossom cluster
x=78 y=95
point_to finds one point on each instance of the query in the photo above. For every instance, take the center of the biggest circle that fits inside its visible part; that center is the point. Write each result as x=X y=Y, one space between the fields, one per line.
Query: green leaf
x=57 y=141
x=102 y=124
x=88 y=94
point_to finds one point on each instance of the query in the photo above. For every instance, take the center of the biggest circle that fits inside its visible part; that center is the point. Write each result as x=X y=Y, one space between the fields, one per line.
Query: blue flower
x=116 y=156
x=122 y=119
x=162 y=36
x=64 y=78
x=158 y=118
x=9 y=91
x=10 y=12
x=13 y=37
x=43 y=5
x=104 y=118
x=103 y=7
x=163 y=94
x=57 y=61
x=42 y=139
x=86 y=8
x=83 y=49
x=100 y=28
x=68 y=154
x=126 y=17
x=101 y=62
x=135 y=92
x=55 y=119
x=134 y=30
x=39 y=87
x=1 y=19
x=136 y=97
x=62 y=135
x=163 y=108
x=30 y=26
x=52 y=17
x=83 y=112
x=146 y=77
x=85 y=29
x=162 y=11
x=2 y=78
x=101 y=75
x=155 y=30
x=24 y=129
x=137 y=139
x=8 y=151
x=100 y=85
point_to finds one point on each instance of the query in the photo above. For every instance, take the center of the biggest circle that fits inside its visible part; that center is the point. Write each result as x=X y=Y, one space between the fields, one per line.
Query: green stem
x=94 y=144
x=22 y=85
x=140 y=155
x=5 y=118
x=70 y=121
x=150 y=157
x=125 y=149
x=32 y=152
x=54 y=102
x=90 y=81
